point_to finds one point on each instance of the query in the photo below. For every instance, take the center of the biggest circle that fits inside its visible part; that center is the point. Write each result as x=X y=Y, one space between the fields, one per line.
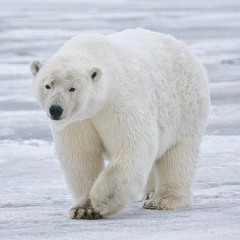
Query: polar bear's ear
x=95 y=74
x=35 y=67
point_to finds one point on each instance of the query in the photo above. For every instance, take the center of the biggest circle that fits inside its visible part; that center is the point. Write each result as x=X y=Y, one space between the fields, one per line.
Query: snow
x=33 y=194
x=34 y=198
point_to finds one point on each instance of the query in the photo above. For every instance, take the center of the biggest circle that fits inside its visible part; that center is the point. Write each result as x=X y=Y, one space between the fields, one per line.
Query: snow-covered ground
x=33 y=194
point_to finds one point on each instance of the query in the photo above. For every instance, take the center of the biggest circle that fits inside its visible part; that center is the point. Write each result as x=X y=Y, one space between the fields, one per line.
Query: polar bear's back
x=147 y=44
x=171 y=61
x=139 y=38
x=136 y=43
x=179 y=79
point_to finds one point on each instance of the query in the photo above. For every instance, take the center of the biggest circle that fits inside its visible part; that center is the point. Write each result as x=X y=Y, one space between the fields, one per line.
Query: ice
x=33 y=194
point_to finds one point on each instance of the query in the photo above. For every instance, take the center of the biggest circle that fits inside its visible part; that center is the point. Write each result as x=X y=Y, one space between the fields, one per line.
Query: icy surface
x=33 y=194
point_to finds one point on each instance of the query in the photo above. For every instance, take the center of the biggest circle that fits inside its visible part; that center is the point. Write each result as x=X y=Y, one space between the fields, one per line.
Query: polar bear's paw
x=84 y=212
x=107 y=199
x=165 y=201
x=107 y=205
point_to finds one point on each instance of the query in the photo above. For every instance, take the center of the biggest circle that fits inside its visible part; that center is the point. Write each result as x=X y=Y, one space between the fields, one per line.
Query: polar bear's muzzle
x=56 y=112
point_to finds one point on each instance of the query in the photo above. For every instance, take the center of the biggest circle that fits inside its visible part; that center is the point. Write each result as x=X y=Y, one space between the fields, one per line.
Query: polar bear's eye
x=47 y=87
x=71 y=89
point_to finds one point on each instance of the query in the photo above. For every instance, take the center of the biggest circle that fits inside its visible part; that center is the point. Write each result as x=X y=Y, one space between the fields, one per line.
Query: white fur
x=147 y=109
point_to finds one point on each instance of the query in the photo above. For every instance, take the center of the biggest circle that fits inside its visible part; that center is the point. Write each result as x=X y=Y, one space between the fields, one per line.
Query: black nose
x=55 y=111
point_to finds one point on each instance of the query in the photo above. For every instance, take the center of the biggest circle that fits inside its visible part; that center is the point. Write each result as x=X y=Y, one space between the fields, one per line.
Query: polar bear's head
x=68 y=91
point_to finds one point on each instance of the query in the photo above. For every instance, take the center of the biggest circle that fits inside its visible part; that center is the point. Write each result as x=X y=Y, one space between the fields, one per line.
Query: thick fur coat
x=138 y=97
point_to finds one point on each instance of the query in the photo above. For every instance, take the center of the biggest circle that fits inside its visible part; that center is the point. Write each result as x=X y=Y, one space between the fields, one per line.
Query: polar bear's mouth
x=56 y=119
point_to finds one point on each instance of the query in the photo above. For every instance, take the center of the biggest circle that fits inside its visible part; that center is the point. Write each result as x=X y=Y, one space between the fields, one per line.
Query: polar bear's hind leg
x=174 y=173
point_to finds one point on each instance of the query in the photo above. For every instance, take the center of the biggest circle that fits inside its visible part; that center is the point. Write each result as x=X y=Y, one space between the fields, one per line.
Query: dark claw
x=87 y=212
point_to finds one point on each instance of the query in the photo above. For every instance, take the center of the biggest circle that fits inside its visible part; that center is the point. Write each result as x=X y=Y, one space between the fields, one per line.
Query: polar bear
x=138 y=97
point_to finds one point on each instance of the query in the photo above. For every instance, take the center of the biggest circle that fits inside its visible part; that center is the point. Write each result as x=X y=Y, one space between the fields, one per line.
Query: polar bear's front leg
x=80 y=153
x=125 y=176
